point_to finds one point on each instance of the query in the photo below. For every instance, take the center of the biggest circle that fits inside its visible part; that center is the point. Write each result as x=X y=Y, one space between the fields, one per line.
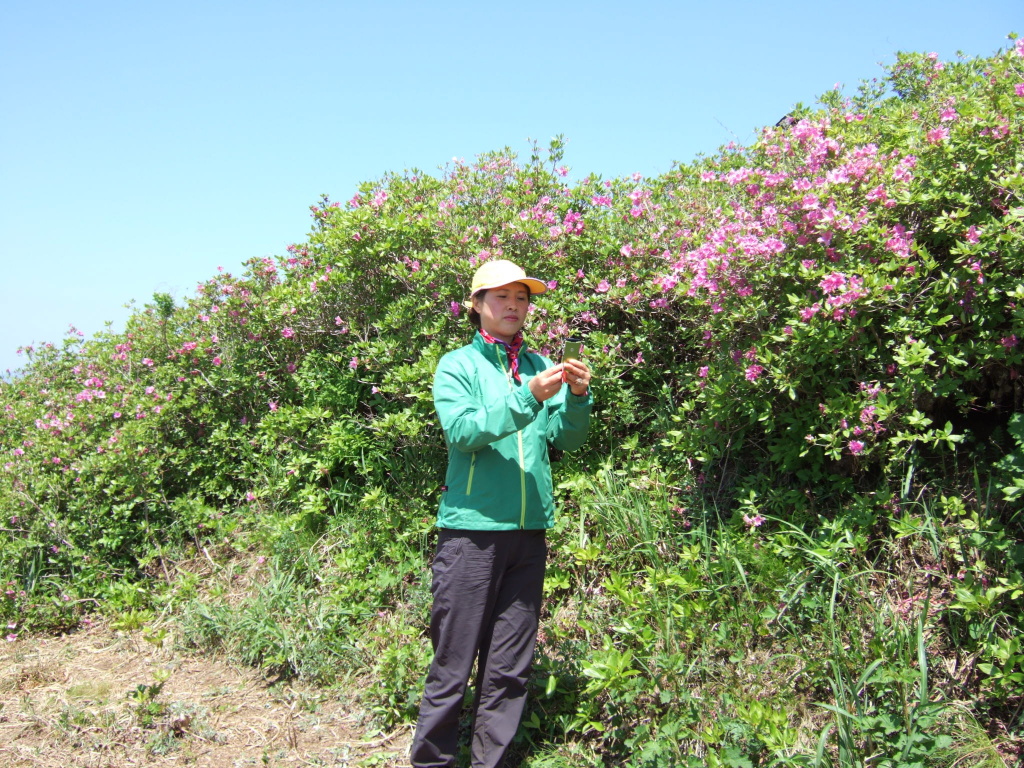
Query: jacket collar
x=499 y=358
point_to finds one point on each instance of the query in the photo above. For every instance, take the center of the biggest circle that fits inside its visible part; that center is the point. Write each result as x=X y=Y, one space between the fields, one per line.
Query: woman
x=500 y=407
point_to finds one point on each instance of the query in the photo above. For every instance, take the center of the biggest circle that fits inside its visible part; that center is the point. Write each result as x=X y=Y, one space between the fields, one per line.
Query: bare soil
x=94 y=699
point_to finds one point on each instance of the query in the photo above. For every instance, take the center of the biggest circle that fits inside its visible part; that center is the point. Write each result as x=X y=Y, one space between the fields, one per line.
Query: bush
x=815 y=340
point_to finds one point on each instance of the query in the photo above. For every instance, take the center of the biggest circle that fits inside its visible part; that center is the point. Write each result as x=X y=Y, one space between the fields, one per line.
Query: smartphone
x=573 y=349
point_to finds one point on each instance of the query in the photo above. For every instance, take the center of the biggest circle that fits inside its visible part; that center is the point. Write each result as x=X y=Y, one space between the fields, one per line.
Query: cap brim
x=535 y=286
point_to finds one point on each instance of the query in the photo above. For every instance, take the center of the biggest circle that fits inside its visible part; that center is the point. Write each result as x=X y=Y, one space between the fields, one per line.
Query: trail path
x=75 y=702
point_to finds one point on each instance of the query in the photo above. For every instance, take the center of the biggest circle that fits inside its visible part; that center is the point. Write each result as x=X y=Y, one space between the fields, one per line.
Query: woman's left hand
x=577 y=376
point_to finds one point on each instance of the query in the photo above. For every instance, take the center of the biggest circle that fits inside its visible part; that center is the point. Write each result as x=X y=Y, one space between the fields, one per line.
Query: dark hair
x=474 y=316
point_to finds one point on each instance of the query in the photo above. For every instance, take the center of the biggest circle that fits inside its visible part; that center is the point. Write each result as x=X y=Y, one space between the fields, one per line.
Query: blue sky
x=144 y=144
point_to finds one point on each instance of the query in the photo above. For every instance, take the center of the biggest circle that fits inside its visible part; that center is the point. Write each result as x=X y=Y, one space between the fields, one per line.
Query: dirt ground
x=105 y=699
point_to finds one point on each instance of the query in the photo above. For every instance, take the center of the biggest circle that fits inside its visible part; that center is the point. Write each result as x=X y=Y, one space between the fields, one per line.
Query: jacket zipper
x=472 y=468
x=522 y=459
x=522 y=482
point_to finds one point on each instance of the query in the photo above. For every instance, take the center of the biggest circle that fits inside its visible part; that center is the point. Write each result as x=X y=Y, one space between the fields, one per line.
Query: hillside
x=794 y=538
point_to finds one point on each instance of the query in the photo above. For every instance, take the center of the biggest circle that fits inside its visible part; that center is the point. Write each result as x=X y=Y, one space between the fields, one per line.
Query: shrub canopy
x=831 y=314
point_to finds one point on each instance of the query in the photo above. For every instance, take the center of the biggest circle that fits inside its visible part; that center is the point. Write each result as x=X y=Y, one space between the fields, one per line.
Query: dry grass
x=76 y=701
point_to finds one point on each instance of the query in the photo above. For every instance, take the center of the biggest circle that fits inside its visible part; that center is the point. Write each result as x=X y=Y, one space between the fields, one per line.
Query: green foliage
x=802 y=484
x=1010 y=469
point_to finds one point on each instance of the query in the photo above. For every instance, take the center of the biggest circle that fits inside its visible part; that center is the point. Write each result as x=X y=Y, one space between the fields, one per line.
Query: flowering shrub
x=801 y=317
x=828 y=320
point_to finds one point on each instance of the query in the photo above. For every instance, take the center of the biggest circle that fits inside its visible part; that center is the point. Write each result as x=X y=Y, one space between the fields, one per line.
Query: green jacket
x=499 y=475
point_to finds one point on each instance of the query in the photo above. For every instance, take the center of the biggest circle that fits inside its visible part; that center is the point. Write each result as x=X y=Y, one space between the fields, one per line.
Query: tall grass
x=670 y=636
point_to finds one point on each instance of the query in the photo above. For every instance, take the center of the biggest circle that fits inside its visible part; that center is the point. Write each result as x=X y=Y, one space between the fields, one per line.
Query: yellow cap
x=498 y=272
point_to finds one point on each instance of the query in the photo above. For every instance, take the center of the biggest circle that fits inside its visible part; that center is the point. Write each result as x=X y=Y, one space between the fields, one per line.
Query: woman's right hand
x=546 y=383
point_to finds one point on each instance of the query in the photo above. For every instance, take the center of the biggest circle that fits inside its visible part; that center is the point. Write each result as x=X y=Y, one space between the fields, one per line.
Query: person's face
x=503 y=310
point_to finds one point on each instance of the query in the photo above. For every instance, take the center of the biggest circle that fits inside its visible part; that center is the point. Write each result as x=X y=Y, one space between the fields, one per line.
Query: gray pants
x=487 y=588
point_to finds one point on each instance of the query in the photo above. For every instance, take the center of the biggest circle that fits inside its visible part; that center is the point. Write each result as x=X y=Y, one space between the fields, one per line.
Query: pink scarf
x=512 y=349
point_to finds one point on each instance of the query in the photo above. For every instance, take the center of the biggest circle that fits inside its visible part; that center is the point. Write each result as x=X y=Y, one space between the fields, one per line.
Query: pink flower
x=287 y=332
x=1019 y=89
x=216 y=361
x=668 y=282
x=754 y=522
x=878 y=193
x=456 y=308
x=272 y=405
x=1009 y=341
x=353 y=363
x=900 y=241
x=856 y=446
x=937 y=135
x=753 y=372
x=834 y=282
x=602 y=287
x=250 y=496
x=808 y=312
x=147 y=361
x=703 y=371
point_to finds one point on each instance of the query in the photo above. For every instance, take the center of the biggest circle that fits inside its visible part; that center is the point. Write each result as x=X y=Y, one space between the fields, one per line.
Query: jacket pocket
x=472 y=469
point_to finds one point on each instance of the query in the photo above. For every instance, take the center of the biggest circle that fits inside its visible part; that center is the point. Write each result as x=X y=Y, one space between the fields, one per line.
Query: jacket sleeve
x=568 y=417
x=568 y=425
x=469 y=422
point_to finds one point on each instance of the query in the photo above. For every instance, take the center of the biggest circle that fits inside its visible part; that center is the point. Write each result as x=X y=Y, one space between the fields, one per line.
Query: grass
x=669 y=636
